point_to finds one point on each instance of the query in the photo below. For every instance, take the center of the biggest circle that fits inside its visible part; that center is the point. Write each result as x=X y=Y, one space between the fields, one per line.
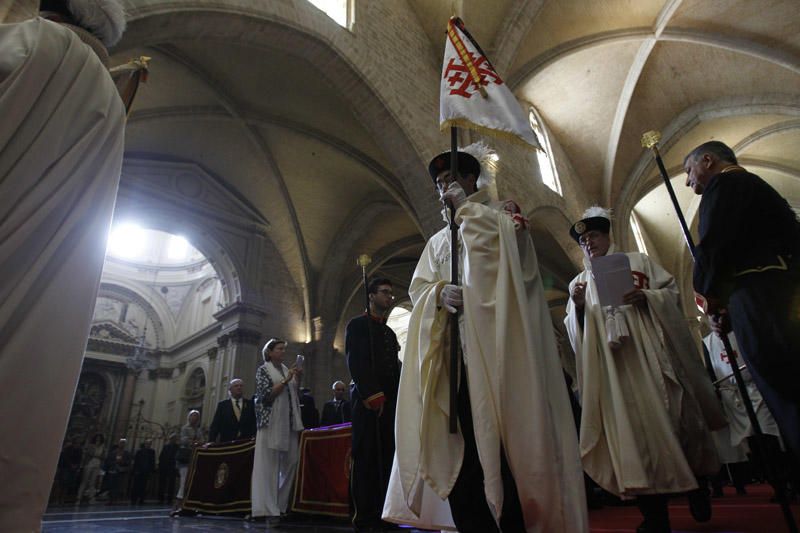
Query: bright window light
x=127 y=240
x=637 y=234
x=335 y=9
x=178 y=248
x=545 y=155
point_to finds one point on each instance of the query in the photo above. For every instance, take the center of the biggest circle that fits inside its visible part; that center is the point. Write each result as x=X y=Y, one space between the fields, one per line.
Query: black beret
x=589 y=224
x=467 y=164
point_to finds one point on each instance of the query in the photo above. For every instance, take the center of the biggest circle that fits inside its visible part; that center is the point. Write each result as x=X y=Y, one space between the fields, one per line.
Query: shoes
x=644 y=528
x=700 y=504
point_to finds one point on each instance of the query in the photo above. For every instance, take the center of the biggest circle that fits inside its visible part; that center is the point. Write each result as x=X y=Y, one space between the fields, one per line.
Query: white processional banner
x=474 y=96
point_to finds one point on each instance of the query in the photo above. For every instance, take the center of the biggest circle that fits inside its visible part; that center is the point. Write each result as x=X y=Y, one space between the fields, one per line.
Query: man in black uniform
x=747 y=268
x=372 y=349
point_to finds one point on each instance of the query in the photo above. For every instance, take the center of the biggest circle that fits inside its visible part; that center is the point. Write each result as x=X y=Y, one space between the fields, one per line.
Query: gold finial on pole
x=650 y=138
x=364 y=260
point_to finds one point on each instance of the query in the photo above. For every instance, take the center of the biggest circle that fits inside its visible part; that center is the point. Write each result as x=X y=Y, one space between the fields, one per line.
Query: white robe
x=61 y=143
x=740 y=427
x=648 y=406
x=517 y=390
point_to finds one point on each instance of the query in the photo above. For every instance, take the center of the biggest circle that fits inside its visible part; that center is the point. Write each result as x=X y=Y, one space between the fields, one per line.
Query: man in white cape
x=739 y=423
x=647 y=403
x=61 y=143
x=521 y=443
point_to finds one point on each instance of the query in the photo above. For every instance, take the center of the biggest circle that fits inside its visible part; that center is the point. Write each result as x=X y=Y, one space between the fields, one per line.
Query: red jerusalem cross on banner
x=467 y=71
x=462 y=83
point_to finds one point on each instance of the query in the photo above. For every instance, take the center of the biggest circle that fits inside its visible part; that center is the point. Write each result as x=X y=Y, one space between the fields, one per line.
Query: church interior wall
x=225 y=168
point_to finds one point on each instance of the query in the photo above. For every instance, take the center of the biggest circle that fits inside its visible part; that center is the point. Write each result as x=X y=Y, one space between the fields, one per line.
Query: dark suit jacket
x=225 y=427
x=333 y=414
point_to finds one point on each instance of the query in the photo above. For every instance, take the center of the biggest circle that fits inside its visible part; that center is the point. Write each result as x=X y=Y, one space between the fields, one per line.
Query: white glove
x=451 y=297
x=455 y=195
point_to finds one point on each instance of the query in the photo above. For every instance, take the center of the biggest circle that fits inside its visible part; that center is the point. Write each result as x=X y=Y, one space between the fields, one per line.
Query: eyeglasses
x=584 y=239
x=387 y=292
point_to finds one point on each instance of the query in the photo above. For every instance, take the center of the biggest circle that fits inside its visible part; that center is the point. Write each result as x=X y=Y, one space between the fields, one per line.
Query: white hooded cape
x=648 y=406
x=732 y=403
x=517 y=390
x=61 y=143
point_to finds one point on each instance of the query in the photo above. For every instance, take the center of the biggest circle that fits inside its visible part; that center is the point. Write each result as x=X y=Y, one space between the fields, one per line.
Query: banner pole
x=454 y=334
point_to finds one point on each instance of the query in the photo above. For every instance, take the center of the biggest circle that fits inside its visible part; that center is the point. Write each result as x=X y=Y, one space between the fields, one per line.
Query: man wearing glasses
x=371 y=347
x=647 y=402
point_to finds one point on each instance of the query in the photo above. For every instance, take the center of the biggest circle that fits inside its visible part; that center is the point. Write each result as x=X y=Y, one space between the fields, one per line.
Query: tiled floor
x=156 y=519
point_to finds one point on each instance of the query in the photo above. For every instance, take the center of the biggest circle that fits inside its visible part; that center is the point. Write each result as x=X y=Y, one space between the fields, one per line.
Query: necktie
x=238 y=410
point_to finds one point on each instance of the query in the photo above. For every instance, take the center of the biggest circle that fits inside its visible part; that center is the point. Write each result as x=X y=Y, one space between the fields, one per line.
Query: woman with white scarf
x=279 y=425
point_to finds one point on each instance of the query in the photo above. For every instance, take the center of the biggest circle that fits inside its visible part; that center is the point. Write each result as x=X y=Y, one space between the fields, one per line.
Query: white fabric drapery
x=61 y=143
x=517 y=390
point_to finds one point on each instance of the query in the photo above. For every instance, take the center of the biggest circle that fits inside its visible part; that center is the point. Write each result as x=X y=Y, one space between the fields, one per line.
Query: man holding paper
x=648 y=406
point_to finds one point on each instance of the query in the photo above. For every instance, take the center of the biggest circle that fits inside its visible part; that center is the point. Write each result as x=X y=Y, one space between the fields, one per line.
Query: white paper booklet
x=612 y=277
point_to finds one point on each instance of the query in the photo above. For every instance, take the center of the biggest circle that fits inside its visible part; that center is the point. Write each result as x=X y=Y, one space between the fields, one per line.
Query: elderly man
x=747 y=268
x=513 y=464
x=337 y=410
x=647 y=403
x=235 y=417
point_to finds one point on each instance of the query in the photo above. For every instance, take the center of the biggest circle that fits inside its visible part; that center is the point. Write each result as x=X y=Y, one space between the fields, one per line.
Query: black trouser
x=139 y=487
x=467 y=500
x=655 y=510
x=765 y=318
x=373 y=452
x=166 y=485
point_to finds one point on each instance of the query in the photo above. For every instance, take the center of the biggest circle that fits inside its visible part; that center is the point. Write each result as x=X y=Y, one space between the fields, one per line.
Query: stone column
x=125 y=405
x=240 y=342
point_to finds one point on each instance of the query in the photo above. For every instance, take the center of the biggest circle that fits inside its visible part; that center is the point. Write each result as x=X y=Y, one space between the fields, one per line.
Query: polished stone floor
x=156 y=519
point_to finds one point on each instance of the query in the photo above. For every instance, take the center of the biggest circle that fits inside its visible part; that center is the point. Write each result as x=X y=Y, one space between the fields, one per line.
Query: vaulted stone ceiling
x=326 y=132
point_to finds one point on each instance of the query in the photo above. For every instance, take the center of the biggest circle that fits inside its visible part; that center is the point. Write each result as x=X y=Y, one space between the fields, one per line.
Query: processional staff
x=650 y=140
x=363 y=261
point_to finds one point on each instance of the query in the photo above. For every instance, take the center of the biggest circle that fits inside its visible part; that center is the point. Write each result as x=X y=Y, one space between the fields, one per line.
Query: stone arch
x=644 y=177
x=158 y=210
x=334 y=52
x=132 y=293
x=94 y=395
x=554 y=248
x=196 y=400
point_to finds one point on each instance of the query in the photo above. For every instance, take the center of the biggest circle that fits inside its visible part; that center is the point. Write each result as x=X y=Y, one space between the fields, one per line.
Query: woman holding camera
x=279 y=426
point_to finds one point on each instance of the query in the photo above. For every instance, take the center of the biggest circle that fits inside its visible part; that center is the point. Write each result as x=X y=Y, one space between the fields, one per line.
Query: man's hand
x=451 y=298
x=635 y=297
x=721 y=322
x=377 y=408
x=579 y=295
x=454 y=195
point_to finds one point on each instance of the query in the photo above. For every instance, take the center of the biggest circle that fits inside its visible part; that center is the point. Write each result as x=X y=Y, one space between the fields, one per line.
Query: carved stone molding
x=240 y=336
x=161 y=373
x=240 y=308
